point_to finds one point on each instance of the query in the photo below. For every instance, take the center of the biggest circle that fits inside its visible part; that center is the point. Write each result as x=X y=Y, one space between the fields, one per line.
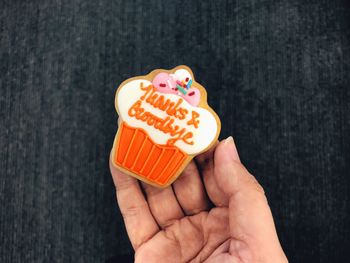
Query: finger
x=138 y=219
x=163 y=204
x=189 y=191
x=249 y=213
x=205 y=164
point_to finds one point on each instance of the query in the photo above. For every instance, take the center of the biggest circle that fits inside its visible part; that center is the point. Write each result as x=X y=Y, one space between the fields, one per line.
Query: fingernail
x=231 y=148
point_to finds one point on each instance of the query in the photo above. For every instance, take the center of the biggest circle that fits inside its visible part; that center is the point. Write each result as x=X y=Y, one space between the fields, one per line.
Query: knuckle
x=132 y=210
x=125 y=183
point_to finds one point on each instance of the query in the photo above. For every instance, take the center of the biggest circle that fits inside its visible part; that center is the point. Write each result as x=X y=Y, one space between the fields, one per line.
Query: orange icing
x=137 y=153
x=194 y=120
x=165 y=125
x=158 y=101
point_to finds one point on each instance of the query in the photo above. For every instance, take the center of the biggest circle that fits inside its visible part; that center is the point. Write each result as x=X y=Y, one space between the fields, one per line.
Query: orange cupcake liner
x=139 y=154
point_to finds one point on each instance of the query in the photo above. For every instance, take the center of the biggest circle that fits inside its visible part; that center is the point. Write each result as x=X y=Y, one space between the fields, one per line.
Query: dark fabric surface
x=277 y=73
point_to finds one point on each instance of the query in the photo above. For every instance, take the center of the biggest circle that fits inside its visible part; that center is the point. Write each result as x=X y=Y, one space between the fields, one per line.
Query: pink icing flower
x=166 y=83
x=192 y=96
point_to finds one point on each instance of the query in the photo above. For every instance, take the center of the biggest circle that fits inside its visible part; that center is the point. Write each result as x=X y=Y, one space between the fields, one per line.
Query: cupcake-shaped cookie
x=164 y=122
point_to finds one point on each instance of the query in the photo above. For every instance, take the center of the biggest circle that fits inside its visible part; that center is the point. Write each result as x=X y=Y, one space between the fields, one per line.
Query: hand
x=214 y=212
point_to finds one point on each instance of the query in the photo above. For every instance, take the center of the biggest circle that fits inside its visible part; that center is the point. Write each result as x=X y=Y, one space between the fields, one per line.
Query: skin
x=215 y=211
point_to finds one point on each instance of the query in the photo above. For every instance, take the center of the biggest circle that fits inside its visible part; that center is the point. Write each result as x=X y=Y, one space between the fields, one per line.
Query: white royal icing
x=182 y=74
x=203 y=135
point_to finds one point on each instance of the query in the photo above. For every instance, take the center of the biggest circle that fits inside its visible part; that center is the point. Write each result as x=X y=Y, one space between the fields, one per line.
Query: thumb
x=231 y=175
x=251 y=221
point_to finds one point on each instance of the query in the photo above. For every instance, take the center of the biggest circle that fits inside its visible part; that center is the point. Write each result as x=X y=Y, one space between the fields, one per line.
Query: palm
x=204 y=236
x=204 y=216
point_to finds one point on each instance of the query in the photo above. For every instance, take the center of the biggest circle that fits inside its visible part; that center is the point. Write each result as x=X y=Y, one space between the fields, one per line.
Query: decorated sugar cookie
x=164 y=122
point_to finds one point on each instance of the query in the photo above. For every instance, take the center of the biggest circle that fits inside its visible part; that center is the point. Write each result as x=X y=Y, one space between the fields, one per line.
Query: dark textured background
x=277 y=73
